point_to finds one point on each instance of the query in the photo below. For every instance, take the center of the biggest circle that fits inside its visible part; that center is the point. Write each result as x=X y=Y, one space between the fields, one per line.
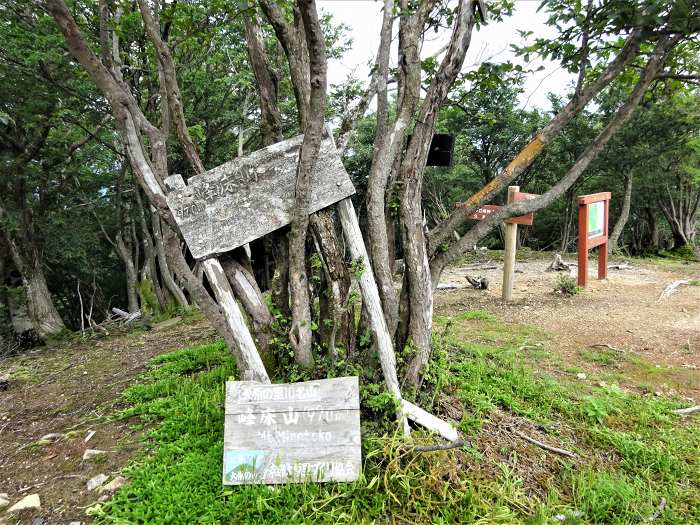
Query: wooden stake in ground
x=511 y=244
x=370 y=296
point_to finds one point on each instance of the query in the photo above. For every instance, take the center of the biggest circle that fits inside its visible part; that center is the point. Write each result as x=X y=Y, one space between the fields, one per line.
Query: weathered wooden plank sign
x=486 y=210
x=291 y=433
x=251 y=196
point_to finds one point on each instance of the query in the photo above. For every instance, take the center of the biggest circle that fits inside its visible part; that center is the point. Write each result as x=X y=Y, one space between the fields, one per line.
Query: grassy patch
x=632 y=451
x=475 y=315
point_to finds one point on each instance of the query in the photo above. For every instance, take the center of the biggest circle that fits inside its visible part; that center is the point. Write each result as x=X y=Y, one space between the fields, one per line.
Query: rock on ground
x=95 y=482
x=113 y=485
x=91 y=453
x=28 y=502
x=4 y=500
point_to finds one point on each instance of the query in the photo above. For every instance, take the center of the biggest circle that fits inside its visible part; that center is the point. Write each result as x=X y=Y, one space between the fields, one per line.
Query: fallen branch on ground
x=621 y=266
x=485 y=266
x=126 y=316
x=672 y=288
x=449 y=286
x=429 y=421
x=609 y=347
x=434 y=448
x=544 y=446
x=687 y=411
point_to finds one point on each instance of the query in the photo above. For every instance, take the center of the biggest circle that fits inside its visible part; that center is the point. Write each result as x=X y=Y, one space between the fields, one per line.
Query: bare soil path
x=68 y=391
x=658 y=340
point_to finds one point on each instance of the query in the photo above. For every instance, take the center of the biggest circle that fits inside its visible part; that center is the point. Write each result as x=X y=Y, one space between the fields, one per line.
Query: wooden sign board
x=487 y=209
x=592 y=233
x=293 y=432
x=251 y=196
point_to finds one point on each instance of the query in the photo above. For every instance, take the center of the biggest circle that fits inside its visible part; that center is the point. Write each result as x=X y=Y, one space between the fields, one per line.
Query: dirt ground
x=70 y=391
x=658 y=339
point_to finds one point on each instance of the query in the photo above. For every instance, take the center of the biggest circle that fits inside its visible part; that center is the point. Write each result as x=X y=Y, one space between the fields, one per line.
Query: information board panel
x=596 y=219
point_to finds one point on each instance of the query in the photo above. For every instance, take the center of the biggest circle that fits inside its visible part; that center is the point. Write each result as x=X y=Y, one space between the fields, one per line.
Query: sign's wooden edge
x=340 y=384
x=594 y=197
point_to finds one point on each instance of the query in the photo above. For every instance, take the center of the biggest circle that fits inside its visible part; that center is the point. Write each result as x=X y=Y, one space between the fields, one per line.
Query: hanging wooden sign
x=292 y=433
x=486 y=210
x=593 y=233
x=248 y=197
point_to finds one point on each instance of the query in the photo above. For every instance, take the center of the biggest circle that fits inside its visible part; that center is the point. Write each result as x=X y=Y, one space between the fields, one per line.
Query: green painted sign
x=596 y=219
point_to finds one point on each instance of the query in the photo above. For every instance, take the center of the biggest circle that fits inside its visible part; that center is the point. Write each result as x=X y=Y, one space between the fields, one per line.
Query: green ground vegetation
x=632 y=452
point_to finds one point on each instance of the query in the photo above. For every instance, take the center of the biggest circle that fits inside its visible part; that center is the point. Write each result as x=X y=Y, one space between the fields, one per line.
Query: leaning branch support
x=429 y=421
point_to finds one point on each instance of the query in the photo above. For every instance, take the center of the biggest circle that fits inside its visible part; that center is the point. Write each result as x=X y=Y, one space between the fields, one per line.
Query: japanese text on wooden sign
x=251 y=196
x=487 y=209
x=295 y=432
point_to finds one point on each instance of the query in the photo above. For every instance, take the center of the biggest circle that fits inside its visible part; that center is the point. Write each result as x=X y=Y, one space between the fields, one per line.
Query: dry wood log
x=671 y=288
x=558 y=265
x=429 y=421
x=687 y=411
x=480 y=283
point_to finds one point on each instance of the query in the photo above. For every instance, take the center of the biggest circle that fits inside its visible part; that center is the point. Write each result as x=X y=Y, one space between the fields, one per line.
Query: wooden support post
x=225 y=298
x=511 y=245
x=234 y=317
x=603 y=249
x=370 y=297
x=429 y=421
x=582 y=245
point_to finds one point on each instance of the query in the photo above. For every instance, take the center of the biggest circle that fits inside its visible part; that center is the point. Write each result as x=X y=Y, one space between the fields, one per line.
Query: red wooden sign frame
x=587 y=242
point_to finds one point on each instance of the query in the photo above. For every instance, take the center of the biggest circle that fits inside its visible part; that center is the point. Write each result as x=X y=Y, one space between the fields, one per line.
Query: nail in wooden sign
x=248 y=197
x=292 y=433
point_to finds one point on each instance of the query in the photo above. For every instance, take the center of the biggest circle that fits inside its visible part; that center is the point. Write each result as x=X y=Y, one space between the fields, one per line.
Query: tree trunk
x=150 y=268
x=26 y=258
x=124 y=254
x=624 y=215
x=386 y=146
x=166 y=275
x=300 y=332
x=334 y=326
x=41 y=308
x=266 y=82
x=411 y=175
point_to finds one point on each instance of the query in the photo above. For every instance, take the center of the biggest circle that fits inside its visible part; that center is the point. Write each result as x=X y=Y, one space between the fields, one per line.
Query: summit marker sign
x=292 y=433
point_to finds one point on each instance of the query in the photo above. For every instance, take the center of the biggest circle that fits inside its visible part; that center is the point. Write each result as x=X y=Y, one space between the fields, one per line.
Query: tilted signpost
x=511 y=237
x=229 y=206
x=593 y=232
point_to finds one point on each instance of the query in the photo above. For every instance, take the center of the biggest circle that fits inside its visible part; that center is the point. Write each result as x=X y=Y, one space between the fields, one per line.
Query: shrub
x=567 y=285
